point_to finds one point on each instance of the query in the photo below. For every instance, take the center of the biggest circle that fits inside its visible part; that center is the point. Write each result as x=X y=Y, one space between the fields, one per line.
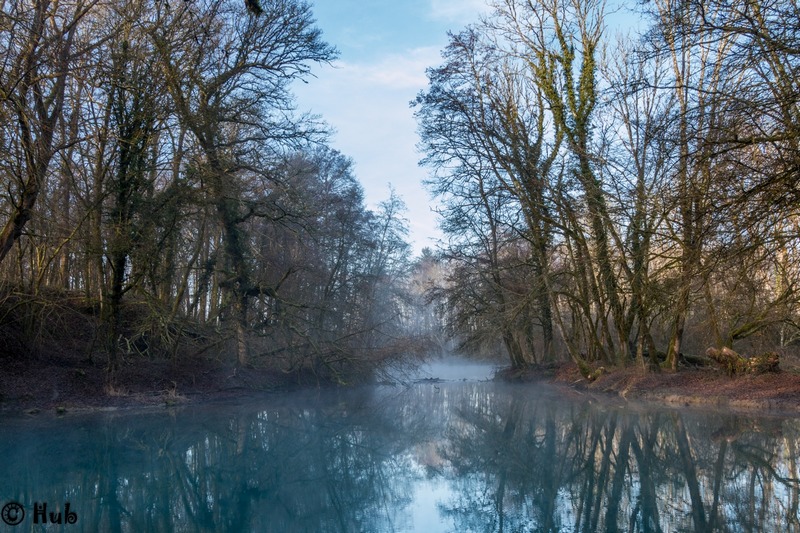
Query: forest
x=619 y=182
x=606 y=198
x=163 y=198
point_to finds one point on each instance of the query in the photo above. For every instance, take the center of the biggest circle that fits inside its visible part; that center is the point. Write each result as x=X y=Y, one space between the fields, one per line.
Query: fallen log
x=734 y=364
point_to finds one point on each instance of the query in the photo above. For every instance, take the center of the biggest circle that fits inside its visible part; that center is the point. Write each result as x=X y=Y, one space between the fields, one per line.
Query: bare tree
x=40 y=45
x=483 y=130
x=635 y=131
x=227 y=73
x=560 y=42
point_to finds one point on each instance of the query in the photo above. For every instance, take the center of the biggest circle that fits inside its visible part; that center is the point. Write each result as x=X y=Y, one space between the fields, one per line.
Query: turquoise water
x=453 y=456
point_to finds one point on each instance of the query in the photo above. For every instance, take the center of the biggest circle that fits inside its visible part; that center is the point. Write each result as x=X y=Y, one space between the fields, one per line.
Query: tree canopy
x=618 y=198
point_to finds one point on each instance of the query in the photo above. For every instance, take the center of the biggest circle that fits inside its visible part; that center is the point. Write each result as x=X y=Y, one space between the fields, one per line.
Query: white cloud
x=395 y=71
x=461 y=11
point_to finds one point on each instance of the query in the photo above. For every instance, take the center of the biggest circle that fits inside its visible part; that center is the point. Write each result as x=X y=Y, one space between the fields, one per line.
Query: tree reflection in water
x=551 y=465
x=502 y=458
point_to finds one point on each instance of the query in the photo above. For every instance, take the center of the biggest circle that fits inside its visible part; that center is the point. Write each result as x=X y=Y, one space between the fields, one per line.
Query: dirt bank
x=61 y=379
x=54 y=357
x=777 y=392
x=65 y=383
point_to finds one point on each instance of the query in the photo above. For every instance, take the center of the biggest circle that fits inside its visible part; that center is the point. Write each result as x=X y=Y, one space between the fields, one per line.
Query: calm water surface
x=462 y=455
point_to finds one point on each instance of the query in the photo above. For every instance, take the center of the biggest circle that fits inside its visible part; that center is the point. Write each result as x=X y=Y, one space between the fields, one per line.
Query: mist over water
x=455 y=368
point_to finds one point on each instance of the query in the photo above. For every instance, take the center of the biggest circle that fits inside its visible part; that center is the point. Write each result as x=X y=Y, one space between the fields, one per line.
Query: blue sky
x=385 y=47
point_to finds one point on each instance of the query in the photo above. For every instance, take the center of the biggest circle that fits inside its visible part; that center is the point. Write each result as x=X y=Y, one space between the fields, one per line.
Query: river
x=456 y=454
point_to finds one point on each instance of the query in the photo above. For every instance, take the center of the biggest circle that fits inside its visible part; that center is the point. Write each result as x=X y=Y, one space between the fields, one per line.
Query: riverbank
x=65 y=381
x=54 y=358
x=778 y=392
x=64 y=385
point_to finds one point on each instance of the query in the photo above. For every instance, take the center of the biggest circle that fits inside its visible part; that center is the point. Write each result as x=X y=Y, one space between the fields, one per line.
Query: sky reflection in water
x=454 y=456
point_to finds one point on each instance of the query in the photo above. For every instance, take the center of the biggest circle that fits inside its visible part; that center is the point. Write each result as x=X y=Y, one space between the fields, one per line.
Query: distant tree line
x=619 y=198
x=152 y=164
